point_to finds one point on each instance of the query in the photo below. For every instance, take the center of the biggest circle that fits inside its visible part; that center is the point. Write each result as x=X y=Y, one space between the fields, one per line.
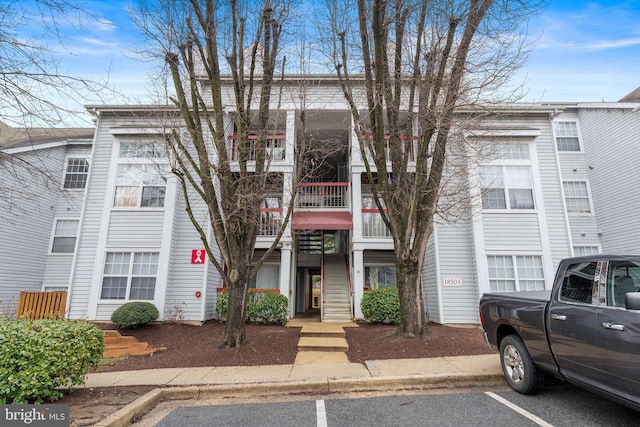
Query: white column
x=356 y=206
x=285 y=273
x=358 y=282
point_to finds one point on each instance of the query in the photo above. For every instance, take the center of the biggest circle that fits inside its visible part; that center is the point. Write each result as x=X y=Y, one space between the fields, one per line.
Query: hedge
x=381 y=306
x=262 y=307
x=37 y=357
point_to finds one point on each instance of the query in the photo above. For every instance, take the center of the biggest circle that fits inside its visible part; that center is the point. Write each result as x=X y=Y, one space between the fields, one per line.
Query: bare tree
x=223 y=60
x=36 y=95
x=407 y=68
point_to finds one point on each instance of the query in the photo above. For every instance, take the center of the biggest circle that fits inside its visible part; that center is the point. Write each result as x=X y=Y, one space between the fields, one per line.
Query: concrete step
x=321 y=357
x=322 y=344
x=323 y=334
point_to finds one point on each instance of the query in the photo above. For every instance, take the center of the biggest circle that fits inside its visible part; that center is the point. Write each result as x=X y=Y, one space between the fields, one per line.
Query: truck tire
x=521 y=373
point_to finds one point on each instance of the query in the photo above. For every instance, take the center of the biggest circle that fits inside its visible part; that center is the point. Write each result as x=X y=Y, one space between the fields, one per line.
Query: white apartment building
x=557 y=187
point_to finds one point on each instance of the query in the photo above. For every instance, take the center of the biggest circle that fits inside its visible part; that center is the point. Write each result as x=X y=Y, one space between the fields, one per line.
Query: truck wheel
x=521 y=373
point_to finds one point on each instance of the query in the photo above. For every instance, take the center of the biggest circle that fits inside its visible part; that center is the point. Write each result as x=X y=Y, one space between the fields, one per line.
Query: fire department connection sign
x=197 y=256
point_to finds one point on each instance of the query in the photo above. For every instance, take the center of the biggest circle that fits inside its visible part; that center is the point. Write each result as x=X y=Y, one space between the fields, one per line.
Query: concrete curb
x=147 y=402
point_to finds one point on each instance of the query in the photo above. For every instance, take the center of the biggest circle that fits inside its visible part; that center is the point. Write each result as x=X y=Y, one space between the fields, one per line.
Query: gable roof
x=632 y=97
x=31 y=137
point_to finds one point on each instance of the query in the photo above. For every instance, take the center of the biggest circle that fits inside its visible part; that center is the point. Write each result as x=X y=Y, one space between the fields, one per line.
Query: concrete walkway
x=321 y=367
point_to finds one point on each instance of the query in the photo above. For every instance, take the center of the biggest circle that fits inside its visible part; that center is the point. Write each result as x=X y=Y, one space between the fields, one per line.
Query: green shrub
x=134 y=314
x=262 y=307
x=37 y=357
x=267 y=307
x=381 y=306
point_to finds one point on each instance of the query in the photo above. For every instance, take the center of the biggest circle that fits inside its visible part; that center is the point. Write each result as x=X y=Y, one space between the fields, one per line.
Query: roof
x=632 y=97
x=322 y=220
x=25 y=137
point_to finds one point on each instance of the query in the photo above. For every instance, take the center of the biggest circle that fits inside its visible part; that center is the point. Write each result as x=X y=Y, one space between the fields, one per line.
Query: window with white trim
x=65 y=233
x=508 y=273
x=576 y=197
x=380 y=277
x=129 y=276
x=267 y=277
x=503 y=182
x=585 y=250
x=76 y=173
x=141 y=175
x=567 y=136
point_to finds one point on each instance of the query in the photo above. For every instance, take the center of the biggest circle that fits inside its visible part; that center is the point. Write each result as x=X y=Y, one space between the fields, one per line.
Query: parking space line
x=321 y=414
x=518 y=409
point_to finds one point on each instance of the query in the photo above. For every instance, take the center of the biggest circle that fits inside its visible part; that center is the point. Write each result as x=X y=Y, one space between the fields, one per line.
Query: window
x=140 y=186
x=267 y=277
x=52 y=288
x=585 y=250
x=500 y=182
x=576 y=197
x=577 y=285
x=515 y=273
x=130 y=275
x=380 y=277
x=623 y=277
x=567 y=136
x=149 y=150
x=65 y=233
x=76 y=173
x=141 y=175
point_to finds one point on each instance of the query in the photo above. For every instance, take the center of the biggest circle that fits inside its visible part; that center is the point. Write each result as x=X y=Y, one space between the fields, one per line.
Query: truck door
x=572 y=324
x=619 y=328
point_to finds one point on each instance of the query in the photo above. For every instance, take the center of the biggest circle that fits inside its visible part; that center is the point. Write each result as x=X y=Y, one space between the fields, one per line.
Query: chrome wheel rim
x=513 y=365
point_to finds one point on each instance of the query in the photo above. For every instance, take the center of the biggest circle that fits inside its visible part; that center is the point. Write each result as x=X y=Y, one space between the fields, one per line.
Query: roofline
x=46 y=145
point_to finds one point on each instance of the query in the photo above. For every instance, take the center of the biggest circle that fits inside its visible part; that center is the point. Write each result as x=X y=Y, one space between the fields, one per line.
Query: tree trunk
x=414 y=320
x=234 y=332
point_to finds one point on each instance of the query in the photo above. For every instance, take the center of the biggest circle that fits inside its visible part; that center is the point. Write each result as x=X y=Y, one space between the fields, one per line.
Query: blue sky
x=584 y=51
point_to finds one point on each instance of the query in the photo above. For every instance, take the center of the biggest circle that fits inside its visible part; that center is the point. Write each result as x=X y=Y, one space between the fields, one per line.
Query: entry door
x=315 y=283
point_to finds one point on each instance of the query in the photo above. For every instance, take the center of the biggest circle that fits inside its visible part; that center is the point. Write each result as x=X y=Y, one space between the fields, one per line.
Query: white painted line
x=321 y=414
x=519 y=410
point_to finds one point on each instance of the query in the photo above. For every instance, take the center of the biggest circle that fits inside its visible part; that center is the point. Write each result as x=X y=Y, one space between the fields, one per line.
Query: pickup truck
x=585 y=330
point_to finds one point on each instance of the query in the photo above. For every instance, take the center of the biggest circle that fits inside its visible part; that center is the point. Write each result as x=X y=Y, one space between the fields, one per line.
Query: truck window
x=623 y=277
x=577 y=286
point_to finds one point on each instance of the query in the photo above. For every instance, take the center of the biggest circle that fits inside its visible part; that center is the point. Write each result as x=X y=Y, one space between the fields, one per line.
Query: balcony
x=275 y=149
x=409 y=146
x=270 y=222
x=373 y=225
x=322 y=195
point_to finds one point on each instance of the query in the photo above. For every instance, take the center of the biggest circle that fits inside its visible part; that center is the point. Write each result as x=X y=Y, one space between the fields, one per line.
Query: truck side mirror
x=632 y=301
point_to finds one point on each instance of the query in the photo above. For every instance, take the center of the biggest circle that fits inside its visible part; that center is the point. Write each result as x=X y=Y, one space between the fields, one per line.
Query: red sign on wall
x=197 y=256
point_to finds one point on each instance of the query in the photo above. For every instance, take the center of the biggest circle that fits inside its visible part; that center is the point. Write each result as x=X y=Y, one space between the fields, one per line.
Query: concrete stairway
x=321 y=343
x=336 y=303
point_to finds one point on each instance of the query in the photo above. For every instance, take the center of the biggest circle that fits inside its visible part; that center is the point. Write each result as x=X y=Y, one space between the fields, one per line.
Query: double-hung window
x=130 y=276
x=567 y=136
x=65 y=233
x=76 y=173
x=507 y=183
x=507 y=187
x=509 y=273
x=576 y=197
x=141 y=175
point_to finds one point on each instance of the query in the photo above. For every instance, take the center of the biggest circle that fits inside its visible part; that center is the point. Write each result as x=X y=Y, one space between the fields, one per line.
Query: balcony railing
x=373 y=225
x=409 y=146
x=270 y=221
x=322 y=195
x=275 y=149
